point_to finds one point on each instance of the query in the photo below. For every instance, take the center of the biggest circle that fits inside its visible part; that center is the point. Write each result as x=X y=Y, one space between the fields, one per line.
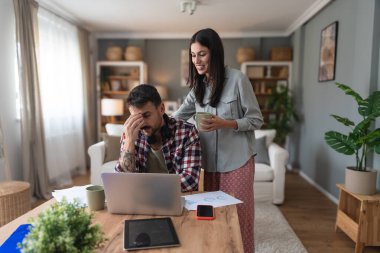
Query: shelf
x=115 y=92
x=266 y=111
x=358 y=217
x=262 y=94
x=130 y=77
x=266 y=77
x=114 y=81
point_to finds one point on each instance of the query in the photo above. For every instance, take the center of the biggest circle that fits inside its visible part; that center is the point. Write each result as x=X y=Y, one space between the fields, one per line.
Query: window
x=61 y=88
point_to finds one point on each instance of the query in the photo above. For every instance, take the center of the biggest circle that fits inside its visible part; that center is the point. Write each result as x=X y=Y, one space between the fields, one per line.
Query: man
x=154 y=143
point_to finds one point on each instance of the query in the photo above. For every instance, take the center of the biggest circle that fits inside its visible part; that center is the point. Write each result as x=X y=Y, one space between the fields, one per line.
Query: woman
x=228 y=137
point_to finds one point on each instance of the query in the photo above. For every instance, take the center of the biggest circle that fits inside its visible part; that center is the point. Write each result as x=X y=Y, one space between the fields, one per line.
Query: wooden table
x=219 y=235
x=359 y=217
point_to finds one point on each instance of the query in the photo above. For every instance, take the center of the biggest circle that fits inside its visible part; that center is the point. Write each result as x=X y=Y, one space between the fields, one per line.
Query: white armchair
x=98 y=152
x=269 y=182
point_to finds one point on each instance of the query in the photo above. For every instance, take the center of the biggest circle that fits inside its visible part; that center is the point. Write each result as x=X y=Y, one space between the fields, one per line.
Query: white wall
x=11 y=126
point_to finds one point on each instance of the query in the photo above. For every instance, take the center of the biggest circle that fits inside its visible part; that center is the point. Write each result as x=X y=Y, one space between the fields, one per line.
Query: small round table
x=15 y=200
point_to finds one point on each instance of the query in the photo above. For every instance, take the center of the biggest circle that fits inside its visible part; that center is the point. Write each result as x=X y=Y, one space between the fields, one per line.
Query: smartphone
x=205 y=212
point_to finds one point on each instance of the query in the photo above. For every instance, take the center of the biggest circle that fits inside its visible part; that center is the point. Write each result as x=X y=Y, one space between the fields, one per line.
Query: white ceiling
x=163 y=18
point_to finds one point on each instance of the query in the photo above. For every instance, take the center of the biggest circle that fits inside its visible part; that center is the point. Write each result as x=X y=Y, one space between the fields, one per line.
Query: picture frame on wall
x=170 y=106
x=328 y=49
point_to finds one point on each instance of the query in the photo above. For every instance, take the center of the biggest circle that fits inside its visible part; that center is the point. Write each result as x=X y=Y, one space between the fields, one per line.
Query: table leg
x=359 y=247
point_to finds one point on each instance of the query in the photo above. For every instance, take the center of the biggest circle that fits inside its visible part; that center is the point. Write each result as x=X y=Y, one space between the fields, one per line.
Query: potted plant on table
x=63 y=227
x=360 y=141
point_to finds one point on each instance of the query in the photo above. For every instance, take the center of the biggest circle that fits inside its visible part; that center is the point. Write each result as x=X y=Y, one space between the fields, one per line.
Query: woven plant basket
x=133 y=54
x=244 y=54
x=15 y=200
x=114 y=53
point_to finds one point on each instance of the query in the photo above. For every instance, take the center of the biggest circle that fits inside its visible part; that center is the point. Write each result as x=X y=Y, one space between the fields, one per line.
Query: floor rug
x=273 y=234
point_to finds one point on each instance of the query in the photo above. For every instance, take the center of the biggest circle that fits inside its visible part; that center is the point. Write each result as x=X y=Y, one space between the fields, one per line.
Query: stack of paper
x=76 y=192
x=215 y=199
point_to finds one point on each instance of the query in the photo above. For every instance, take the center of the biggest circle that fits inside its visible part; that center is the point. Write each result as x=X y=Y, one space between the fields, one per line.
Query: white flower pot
x=361 y=182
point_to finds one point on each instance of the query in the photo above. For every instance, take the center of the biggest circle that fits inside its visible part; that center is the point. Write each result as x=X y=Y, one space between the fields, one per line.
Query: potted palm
x=360 y=141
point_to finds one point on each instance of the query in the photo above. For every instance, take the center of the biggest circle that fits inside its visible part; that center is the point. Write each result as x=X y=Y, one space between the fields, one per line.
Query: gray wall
x=376 y=45
x=357 y=66
x=11 y=126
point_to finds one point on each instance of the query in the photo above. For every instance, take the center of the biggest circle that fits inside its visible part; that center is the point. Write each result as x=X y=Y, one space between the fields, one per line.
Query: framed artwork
x=170 y=107
x=327 y=57
x=184 y=67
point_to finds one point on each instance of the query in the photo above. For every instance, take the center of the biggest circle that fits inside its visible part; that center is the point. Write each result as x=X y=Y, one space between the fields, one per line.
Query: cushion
x=269 y=133
x=114 y=129
x=263 y=173
x=109 y=166
x=112 y=147
x=262 y=150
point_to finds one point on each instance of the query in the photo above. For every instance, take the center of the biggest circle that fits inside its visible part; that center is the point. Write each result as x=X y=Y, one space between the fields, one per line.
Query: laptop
x=143 y=193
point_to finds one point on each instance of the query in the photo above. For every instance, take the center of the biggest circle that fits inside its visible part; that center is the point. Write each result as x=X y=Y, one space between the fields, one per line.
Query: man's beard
x=153 y=136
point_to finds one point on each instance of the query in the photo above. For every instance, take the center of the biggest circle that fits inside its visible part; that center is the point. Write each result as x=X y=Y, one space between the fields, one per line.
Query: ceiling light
x=188 y=5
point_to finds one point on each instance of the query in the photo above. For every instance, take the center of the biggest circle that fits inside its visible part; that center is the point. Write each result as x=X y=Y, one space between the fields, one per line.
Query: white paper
x=76 y=192
x=216 y=199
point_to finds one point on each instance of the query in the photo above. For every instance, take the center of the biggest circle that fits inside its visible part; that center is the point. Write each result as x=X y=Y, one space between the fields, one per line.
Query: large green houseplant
x=282 y=102
x=362 y=140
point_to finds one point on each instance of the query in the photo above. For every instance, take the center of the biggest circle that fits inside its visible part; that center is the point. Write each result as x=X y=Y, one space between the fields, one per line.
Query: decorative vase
x=133 y=54
x=360 y=182
x=115 y=85
x=114 y=53
x=245 y=54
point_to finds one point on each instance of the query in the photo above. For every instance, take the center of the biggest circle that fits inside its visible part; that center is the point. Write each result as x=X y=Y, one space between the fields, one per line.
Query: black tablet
x=149 y=233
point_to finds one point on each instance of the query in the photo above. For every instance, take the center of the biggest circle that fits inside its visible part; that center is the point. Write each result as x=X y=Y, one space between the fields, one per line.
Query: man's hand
x=131 y=129
x=132 y=125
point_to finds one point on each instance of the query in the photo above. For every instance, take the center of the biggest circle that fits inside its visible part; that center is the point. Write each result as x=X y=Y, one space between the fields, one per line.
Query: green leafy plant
x=63 y=227
x=282 y=102
x=361 y=140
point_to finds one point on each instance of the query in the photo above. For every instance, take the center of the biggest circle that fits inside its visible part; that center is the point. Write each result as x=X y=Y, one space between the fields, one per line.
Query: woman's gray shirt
x=225 y=149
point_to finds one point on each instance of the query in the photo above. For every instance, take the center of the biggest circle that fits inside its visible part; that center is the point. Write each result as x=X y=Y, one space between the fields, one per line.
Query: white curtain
x=62 y=97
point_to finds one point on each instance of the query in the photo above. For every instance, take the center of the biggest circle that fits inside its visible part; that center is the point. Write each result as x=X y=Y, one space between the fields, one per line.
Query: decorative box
x=281 y=54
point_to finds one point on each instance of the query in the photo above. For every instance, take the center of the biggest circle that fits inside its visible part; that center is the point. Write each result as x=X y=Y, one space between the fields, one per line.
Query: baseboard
x=323 y=191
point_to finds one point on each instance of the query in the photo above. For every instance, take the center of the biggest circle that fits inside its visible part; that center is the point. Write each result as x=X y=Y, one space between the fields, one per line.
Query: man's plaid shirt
x=181 y=150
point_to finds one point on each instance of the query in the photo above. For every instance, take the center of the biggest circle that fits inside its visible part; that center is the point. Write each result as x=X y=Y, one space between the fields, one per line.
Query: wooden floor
x=312 y=217
x=310 y=213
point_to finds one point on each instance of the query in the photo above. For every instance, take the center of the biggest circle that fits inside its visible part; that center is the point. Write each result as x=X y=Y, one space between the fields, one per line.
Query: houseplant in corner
x=282 y=102
x=360 y=141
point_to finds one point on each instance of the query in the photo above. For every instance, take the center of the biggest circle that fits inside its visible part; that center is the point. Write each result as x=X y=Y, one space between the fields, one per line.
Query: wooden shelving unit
x=114 y=80
x=359 y=217
x=265 y=76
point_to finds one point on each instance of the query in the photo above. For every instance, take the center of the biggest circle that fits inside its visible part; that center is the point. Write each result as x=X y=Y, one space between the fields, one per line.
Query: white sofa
x=97 y=153
x=269 y=184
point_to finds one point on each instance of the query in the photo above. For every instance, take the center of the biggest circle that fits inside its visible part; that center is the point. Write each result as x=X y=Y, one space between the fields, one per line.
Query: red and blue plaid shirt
x=181 y=150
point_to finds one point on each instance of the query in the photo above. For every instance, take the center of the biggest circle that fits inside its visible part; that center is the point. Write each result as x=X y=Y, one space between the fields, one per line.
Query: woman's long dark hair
x=216 y=69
